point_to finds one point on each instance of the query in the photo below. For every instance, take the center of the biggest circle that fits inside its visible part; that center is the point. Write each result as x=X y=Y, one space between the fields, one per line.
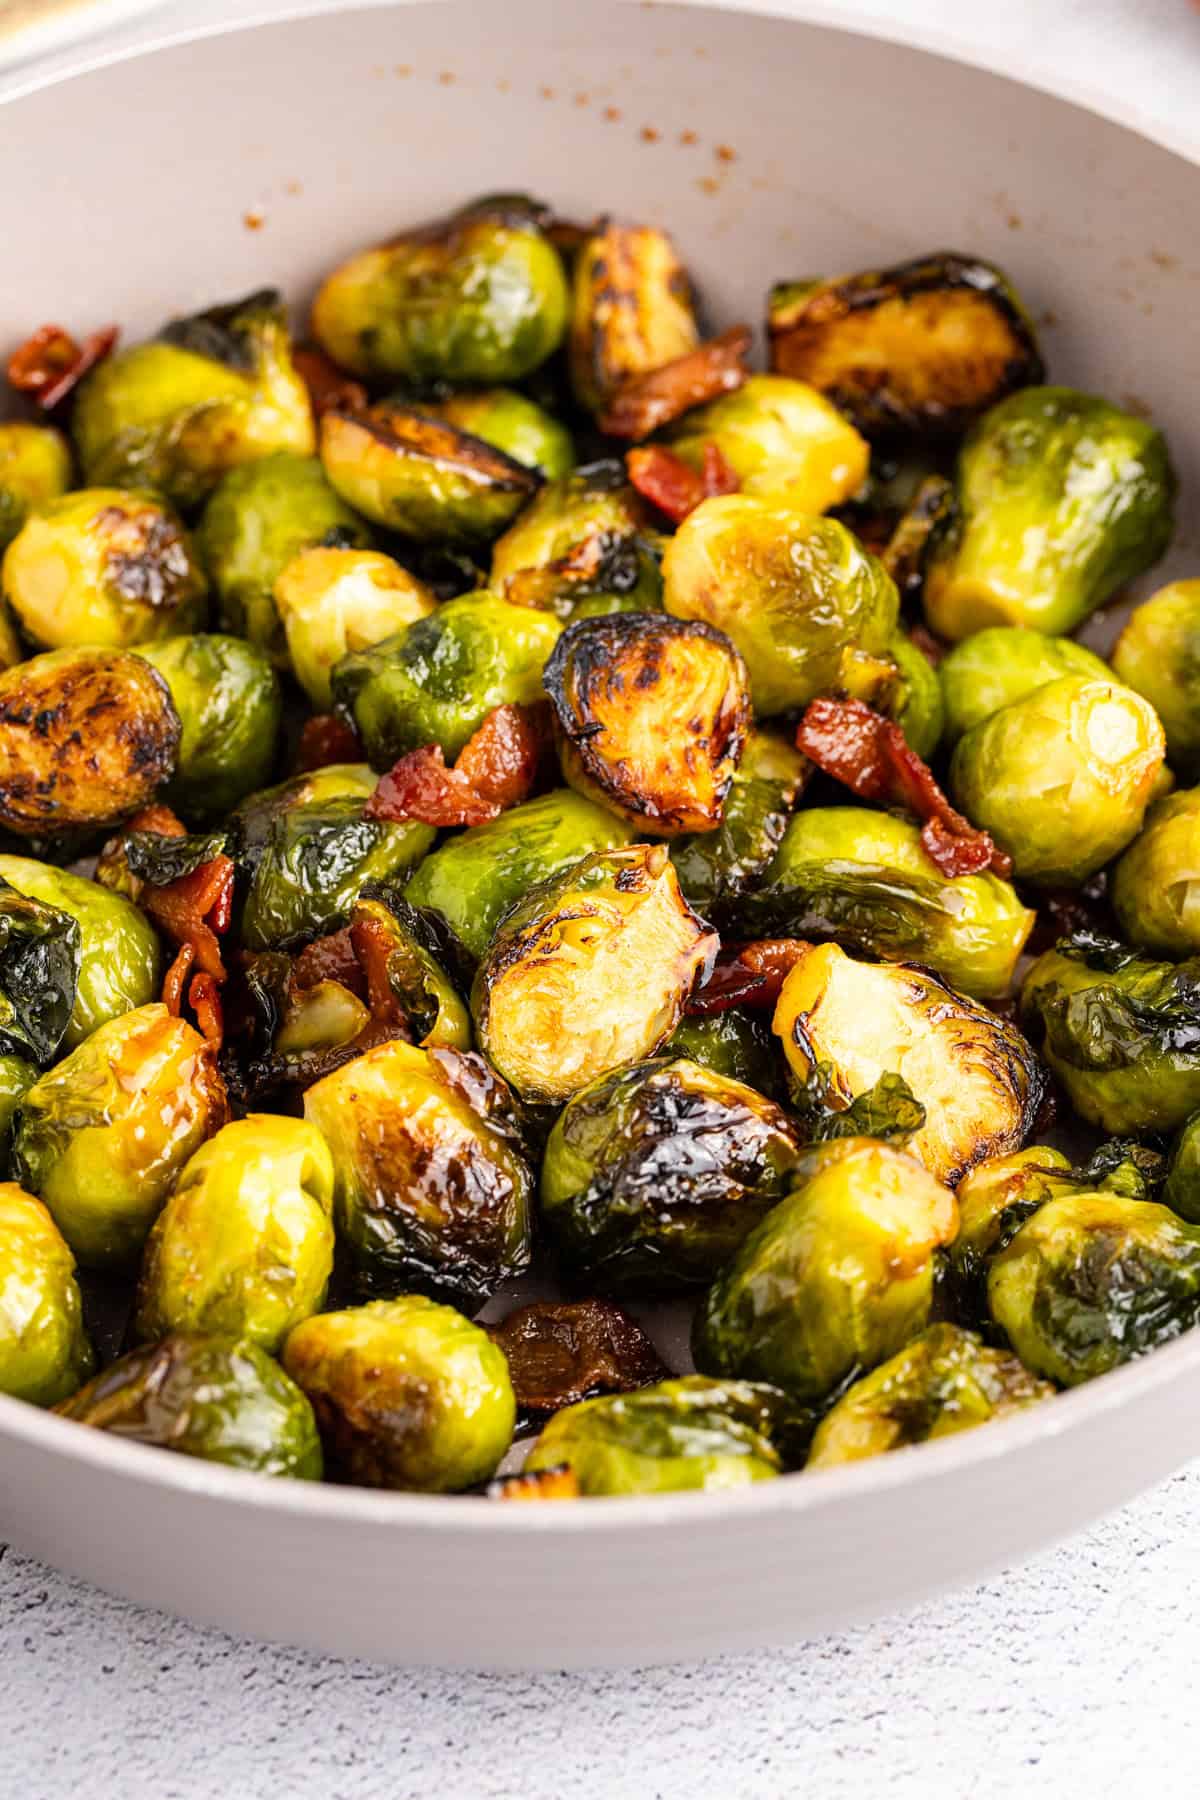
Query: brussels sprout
x=654 y=1175
x=1093 y=1280
x=844 y=1024
x=243 y=1248
x=256 y=521
x=1062 y=499
x=994 y=1201
x=102 y=1136
x=1181 y=1190
x=211 y=392
x=811 y=611
x=17 y=1076
x=476 y=876
x=1155 y=887
x=922 y=347
x=86 y=737
x=401 y=950
x=407 y=1393
x=1062 y=778
x=44 y=1349
x=689 y=1433
x=918 y=708
x=782 y=440
x=335 y=602
x=924 y=512
x=230 y=709
x=632 y=310
x=514 y=424
x=432 y=1187
x=588 y=972
x=864 y=877
x=119 y=955
x=837 y=1278
x=651 y=716
x=39 y=973
x=993 y=668
x=436 y=681
x=1158 y=656
x=584 y=544
x=201 y=1396
x=35 y=466
x=735 y=1044
x=716 y=868
x=946 y=1380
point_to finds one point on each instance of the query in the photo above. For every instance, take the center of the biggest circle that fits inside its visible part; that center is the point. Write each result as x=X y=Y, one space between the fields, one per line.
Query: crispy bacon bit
x=329 y=389
x=49 y=364
x=496 y=768
x=871 y=756
x=330 y=958
x=559 y=1353
x=204 y=997
x=372 y=945
x=749 y=976
x=327 y=739
x=194 y=909
x=158 y=819
x=646 y=403
x=558 y=1483
x=670 y=484
x=174 y=979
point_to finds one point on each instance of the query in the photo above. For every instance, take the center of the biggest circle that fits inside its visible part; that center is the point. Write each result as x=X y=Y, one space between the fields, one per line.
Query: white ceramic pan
x=770 y=148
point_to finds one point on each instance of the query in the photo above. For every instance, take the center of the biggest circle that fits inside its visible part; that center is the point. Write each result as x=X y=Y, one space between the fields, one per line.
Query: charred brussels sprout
x=1061 y=499
x=689 y=1433
x=211 y=392
x=653 y=1176
x=103 y=1135
x=432 y=1187
x=1155 y=888
x=735 y=1044
x=918 y=708
x=479 y=297
x=436 y=681
x=584 y=544
x=1158 y=656
x=946 y=1380
x=44 y=1350
x=230 y=710
x=39 y=973
x=836 y=1279
x=632 y=310
x=923 y=347
x=408 y=1394
x=846 y=1024
x=811 y=611
x=35 y=467
x=716 y=867
x=514 y=424
x=991 y=669
x=783 y=441
x=1061 y=778
x=243 y=1247
x=201 y=1396
x=86 y=738
x=651 y=716
x=335 y=602
x=473 y=878
x=589 y=971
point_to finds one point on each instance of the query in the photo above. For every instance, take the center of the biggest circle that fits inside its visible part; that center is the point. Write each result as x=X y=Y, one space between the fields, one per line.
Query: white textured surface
x=1072 y=1676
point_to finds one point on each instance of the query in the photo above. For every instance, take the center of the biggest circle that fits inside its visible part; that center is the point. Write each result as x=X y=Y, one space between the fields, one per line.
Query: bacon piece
x=194 y=908
x=173 y=980
x=330 y=958
x=560 y=1352
x=558 y=1483
x=871 y=756
x=158 y=819
x=372 y=945
x=496 y=768
x=327 y=739
x=50 y=363
x=751 y=975
x=204 y=998
x=672 y=485
x=329 y=388
x=645 y=403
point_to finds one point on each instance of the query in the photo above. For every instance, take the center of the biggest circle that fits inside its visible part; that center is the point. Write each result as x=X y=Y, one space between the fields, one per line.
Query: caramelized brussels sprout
x=512 y=422
x=436 y=681
x=783 y=441
x=335 y=602
x=211 y=392
x=243 y=1247
x=201 y=1396
x=102 y=1136
x=230 y=710
x=407 y=1393
x=837 y=1278
x=583 y=544
x=923 y=347
x=811 y=611
x=476 y=876
x=86 y=738
x=946 y=1380
x=994 y=1201
x=432 y=1187
x=734 y=1044
x=991 y=669
x=39 y=972
x=1062 y=778
x=632 y=310
x=1181 y=1190
x=918 y=708
x=1061 y=499
x=588 y=972
x=651 y=716
x=716 y=867
x=844 y=1024
x=1155 y=887
x=44 y=1349
x=35 y=467
x=1158 y=656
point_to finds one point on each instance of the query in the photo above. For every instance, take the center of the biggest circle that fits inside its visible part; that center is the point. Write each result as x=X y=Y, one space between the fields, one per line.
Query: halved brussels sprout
x=335 y=602
x=201 y=1396
x=44 y=1350
x=432 y=1186
x=513 y=423
x=992 y=668
x=102 y=1136
x=632 y=310
x=845 y=1024
x=651 y=717
x=475 y=298
x=212 y=391
x=584 y=543
x=1181 y=1190
x=243 y=1247
x=994 y=1201
x=86 y=738
x=654 y=1175
x=408 y=1394
x=811 y=611
x=1062 y=778
x=837 y=1278
x=1061 y=499
x=716 y=868
x=736 y=1044
x=689 y=1433
x=923 y=347
x=783 y=441
x=589 y=971
x=436 y=681
x=230 y=710
x=946 y=1380
x=918 y=708
x=35 y=466
x=1158 y=656
x=1155 y=887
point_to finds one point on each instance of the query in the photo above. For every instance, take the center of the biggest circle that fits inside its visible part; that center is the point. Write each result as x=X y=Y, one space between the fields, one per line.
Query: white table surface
x=1074 y=1675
